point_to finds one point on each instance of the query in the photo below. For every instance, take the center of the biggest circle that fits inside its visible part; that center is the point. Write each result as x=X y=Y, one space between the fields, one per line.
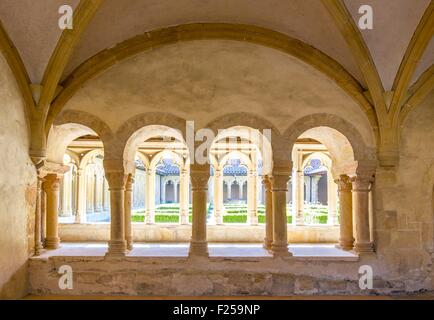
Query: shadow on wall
x=15 y=287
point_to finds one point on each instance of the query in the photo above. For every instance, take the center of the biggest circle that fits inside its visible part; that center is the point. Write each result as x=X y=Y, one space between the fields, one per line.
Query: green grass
x=235 y=213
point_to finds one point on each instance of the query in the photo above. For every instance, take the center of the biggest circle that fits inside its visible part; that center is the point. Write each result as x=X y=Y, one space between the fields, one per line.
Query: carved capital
x=129 y=183
x=266 y=181
x=344 y=183
x=116 y=180
x=199 y=176
x=280 y=182
x=51 y=183
x=362 y=183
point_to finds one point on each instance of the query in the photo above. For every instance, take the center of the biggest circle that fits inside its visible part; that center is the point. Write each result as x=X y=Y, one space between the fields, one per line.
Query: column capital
x=362 y=183
x=116 y=180
x=129 y=183
x=52 y=182
x=344 y=183
x=280 y=182
x=199 y=176
x=266 y=181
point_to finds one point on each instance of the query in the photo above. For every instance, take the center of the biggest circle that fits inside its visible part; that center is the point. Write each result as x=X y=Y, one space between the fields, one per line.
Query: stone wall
x=214 y=276
x=17 y=189
x=182 y=233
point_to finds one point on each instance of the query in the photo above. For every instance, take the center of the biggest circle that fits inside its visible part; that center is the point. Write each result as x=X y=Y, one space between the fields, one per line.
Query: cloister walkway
x=231 y=250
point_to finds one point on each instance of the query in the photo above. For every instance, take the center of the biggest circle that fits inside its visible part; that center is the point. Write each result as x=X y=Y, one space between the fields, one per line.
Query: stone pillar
x=52 y=187
x=332 y=218
x=346 y=239
x=361 y=189
x=218 y=196
x=298 y=192
x=268 y=240
x=184 y=195
x=150 y=197
x=315 y=180
x=38 y=217
x=199 y=175
x=252 y=200
x=127 y=211
x=43 y=215
x=90 y=188
x=66 y=195
x=117 y=243
x=279 y=187
x=80 y=216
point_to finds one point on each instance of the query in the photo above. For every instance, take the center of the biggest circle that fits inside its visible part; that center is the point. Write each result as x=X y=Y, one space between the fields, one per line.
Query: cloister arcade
x=238 y=173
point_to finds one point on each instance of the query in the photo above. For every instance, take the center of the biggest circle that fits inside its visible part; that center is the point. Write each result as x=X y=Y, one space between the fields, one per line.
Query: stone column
x=298 y=196
x=315 y=180
x=279 y=187
x=43 y=215
x=127 y=211
x=361 y=188
x=80 y=216
x=332 y=218
x=199 y=175
x=346 y=239
x=52 y=187
x=268 y=240
x=38 y=217
x=90 y=188
x=66 y=195
x=150 y=197
x=183 y=195
x=218 y=197
x=252 y=200
x=117 y=243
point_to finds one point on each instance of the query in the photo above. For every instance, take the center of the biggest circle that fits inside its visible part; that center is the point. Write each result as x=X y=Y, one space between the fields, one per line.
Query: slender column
x=183 y=195
x=279 y=187
x=43 y=214
x=80 y=217
x=218 y=197
x=66 y=191
x=315 y=181
x=252 y=200
x=346 y=239
x=90 y=188
x=332 y=218
x=268 y=213
x=38 y=220
x=127 y=211
x=298 y=190
x=52 y=187
x=199 y=175
x=150 y=197
x=361 y=190
x=117 y=244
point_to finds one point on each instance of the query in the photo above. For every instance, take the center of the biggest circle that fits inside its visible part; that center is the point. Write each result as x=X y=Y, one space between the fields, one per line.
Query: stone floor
x=320 y=251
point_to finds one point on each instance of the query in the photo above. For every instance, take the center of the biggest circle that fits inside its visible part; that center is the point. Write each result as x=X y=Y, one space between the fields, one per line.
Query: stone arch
x=202 y=31
x=360 y=149
x=160 y=155
x=88 y=156
x=239 y=154
x=142 y=127
x=251 y=127
x=144 y=159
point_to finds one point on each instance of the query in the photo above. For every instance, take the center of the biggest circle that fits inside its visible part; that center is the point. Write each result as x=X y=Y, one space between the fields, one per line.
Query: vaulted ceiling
x=384 y=61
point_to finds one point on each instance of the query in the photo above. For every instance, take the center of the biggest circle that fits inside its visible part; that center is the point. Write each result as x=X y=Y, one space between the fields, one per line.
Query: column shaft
x=218 y=197
x=38 y=219
x=199 y=180
x=346 y=239
x=183 y=195
x=280 y=238
x=52 y=187
x=127 y=211
x=117 y=243
x=361 y=190
x=268 y=240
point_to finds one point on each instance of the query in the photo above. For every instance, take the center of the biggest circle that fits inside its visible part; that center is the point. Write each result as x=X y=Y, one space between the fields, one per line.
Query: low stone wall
x=182 y=233
x=213 y=276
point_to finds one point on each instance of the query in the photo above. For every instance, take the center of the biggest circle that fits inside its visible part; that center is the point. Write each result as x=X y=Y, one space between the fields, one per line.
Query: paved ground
x=322 y=251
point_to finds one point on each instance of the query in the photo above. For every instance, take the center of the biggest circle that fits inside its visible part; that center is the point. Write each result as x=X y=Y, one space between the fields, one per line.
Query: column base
x=129 y=244
x=267 y=244
x=254 y=221
x=184 y=219
x=366 y=247
x=117 y=248
x=38 y=249
x=198 y=249
x=346 y=245
x=52 y=243
x=280 y=250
